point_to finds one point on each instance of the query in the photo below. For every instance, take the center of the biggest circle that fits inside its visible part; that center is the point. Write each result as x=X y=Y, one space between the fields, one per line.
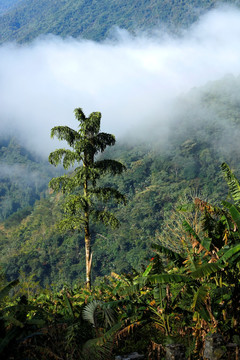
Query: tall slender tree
x=82 y=194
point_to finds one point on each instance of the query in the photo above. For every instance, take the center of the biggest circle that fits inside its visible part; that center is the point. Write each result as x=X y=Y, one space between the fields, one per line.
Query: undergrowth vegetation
x=182 y=296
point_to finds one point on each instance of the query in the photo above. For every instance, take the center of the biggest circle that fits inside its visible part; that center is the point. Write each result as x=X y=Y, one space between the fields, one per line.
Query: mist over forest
x=165 y=77
x=170 y=99
x=133 y=80
x=159 y=93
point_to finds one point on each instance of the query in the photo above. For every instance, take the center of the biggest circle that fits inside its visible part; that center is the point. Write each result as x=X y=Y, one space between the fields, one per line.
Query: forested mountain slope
x=94 y=19
x=161 y=174
x=23 y=177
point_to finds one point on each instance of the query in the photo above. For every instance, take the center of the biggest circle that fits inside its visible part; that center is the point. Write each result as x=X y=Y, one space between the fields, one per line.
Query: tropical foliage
x=23 y=179
x=182 y=296
x=84 y=199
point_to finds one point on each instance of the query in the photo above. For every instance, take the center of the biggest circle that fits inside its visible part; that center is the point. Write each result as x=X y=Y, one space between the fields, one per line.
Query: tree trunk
x=88 y=256
x=87 y=239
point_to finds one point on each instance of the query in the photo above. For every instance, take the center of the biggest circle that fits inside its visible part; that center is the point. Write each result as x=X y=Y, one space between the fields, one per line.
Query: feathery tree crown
x=85 y=143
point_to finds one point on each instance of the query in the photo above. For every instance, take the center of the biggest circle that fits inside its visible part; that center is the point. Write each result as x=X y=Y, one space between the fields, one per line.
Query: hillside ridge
x=95 y=19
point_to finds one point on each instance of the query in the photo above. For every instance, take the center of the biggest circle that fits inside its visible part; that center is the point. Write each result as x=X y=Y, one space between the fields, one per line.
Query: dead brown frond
x=204 y=206
x=127 y=330
x=156 y=351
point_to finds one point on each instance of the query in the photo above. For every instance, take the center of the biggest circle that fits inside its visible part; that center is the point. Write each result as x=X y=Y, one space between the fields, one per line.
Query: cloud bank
x=133 y=81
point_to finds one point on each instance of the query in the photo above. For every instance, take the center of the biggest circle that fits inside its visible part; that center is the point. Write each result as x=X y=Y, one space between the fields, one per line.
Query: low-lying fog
x=131 y=80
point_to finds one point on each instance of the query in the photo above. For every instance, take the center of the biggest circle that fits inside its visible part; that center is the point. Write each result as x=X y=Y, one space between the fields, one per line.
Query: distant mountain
x=94 y=19
x=23 y=177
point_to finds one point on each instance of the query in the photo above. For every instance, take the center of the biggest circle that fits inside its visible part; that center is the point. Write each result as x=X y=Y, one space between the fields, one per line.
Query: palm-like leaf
x=101 y=347
x=67 y=157
x=110 y=166
x=234 y=213
x=199 y=300
x=98 y=314
x=5 y=291
x=187 y=227
x=107 y=193
x=206 y=270
x=65 y=133
x=233 y=252
x=105 y=217
x=233 y=183
x=170 y=254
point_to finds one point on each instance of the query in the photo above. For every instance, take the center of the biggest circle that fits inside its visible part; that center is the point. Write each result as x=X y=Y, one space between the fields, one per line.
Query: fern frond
x=110 y=166
x=105 y=217
x=65 y=133
x=106 y=193
x=67 y=157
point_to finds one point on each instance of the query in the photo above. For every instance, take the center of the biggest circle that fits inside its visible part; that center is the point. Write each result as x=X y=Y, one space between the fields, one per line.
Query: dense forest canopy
x=95 y=19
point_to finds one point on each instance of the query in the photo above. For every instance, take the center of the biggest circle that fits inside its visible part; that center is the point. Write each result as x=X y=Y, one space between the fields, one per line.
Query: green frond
x=110 y=166
x=107 y=193
x=75 y=204
x=79 y=114
x=106 y=218
x=98 y=314
x=234 y=213
x=109 y=315
x=233 y=183
x=71 y=222
x=5 y=291
x=190 y=230
x=92 y=125
x=206 y=270
x=102 y=140
x=198 y=303
x=233 y=252
x=62 y=183
x=170 y=254
x=67 y=157
x=68 y=305
x=168 y=279
x=65 y=133
x=143 y=281
x=90 y=312
x=206 y=243
x=101 y=347
x=132 y=289
x=82 y=174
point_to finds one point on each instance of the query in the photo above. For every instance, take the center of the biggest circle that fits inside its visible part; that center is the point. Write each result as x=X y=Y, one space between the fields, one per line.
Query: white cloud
x=131 y=80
